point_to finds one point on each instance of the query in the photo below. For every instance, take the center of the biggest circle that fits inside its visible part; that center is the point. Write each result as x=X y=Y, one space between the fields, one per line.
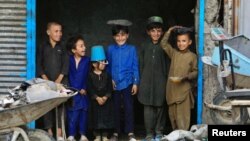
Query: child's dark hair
x=184 y=31
x=119 y=28
x=154 y=25
x=52 y=23
x=71 y=43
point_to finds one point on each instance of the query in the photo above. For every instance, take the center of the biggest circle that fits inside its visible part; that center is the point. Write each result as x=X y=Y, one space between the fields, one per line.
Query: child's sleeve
x=166 y=46
x=194 y=69
x=135 y=68
x=39 y=61
x=141 y=61
x=109 y=86
x=90 y=88
x=86 y=71
x=109 y=66
x=65 y=65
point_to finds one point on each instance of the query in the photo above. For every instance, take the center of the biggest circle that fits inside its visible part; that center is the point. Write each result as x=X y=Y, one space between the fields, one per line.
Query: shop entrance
x=89 y=17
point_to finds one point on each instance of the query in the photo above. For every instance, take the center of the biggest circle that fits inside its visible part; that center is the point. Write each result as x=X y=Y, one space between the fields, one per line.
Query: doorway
x=89 y=17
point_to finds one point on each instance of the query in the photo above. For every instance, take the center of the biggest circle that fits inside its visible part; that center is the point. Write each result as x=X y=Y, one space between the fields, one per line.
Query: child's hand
x=104 y=98
x=184 y=78
x=173 y=27
x=99 y=100
x=83 y=92
x=45 y=77
x=113 y=84
x=134 y=89
x=59 y=79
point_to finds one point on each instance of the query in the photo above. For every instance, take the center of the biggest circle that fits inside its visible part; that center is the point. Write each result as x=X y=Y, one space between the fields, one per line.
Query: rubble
x=32 y=91
x=197 y=132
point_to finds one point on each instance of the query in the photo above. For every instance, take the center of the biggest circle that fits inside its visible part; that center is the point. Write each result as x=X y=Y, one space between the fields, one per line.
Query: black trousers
x=50 y=118
x=154 y=120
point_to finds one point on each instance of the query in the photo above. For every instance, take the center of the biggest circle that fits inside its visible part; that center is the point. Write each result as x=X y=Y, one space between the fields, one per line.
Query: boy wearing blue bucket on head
x=77 y=111
x=123 y=67
x=100 y=90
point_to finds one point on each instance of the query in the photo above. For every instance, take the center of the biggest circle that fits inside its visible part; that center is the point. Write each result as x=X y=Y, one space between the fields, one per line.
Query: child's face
x=121 y=38
x=155 y=34
x=80 y=49
x=183 y=42
x=55 y=33
x=100 y=65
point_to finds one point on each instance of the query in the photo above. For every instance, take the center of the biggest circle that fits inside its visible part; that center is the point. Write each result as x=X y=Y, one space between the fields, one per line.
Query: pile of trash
x=196 y=133
x=31 y=91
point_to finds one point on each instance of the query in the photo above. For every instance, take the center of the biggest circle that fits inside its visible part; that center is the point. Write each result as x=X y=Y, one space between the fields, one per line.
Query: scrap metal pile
x=32 y=91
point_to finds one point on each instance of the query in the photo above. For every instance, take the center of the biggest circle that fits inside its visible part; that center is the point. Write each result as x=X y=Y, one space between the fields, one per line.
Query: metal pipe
x=31 y=42
x=200 y=64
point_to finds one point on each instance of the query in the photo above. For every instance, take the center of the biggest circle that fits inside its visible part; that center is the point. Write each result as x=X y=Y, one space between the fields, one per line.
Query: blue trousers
x=123 y=101
x=77 y=119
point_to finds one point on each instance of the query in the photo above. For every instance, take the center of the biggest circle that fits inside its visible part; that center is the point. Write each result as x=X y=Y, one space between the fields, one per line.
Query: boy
x=153 y=70
x=123 y=66
x=52 y=64
x=184 y=67
x=78 y=71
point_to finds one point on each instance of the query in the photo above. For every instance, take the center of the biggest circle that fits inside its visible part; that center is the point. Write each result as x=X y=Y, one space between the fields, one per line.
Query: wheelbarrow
x=232 y=60
x=12 y=118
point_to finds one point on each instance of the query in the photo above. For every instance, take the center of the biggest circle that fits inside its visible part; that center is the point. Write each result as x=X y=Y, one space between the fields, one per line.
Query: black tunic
x=52 y=61
x=101 y=117
x=154 y=66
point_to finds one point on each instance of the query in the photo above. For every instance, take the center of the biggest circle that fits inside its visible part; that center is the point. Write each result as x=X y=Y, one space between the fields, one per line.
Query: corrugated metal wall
x=241 y=17
x=12 y=43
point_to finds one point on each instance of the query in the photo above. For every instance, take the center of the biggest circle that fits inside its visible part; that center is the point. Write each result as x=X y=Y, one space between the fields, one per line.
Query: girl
x=100 y=88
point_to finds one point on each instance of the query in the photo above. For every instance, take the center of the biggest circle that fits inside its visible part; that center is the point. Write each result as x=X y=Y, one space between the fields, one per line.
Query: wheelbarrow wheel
x=37 y=135
x=225 y=117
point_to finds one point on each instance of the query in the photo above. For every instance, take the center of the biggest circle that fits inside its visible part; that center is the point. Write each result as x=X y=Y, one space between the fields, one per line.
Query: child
x=183 y=70
x=100 y=89
x=153 y=70
x=78 y=70
x=123 y=66
x=52 y=64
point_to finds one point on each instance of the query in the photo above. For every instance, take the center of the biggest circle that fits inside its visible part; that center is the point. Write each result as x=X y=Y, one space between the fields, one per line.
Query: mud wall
x=217 y=13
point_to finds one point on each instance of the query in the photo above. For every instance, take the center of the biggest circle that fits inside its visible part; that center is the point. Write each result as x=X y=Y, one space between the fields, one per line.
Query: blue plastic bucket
x=97 y=53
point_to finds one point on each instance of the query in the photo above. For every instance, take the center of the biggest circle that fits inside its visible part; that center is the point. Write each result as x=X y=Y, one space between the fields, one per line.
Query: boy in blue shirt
x=123 y=66
x=78 y=71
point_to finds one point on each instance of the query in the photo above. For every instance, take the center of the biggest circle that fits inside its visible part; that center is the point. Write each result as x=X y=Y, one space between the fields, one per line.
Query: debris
x=32 y=91
x=218 y=107
x=197 y=132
